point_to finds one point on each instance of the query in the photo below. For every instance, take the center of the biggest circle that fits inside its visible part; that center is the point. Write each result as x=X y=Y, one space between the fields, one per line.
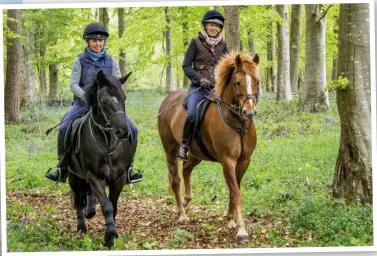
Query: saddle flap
x=200 y=111
x=72 y=136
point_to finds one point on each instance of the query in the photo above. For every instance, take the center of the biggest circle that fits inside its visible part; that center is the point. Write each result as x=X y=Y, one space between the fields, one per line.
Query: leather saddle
x=73 y=135
x=201 y=109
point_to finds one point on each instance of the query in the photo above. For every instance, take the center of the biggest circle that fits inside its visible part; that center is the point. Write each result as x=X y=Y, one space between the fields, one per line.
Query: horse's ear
x=101 y=80
x=238 y=62
x=256 y=59
x=123 y=79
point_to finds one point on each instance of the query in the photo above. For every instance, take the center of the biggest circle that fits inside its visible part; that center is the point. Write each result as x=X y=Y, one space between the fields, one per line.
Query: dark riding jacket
x=90 y=68
x=200 y=60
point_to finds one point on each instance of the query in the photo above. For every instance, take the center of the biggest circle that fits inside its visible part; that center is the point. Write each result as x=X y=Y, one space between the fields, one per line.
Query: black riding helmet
x=213 y=16
x=95 y=30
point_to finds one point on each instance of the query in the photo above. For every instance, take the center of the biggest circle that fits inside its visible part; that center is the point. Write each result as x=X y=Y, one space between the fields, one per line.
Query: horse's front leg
x=98 y=188
x=115 y=191
x=235 y=201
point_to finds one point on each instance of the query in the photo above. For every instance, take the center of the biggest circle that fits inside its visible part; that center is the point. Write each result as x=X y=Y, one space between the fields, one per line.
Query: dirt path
x=157 y=220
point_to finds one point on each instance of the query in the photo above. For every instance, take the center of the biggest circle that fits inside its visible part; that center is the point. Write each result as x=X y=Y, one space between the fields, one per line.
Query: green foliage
x=181 y=236
x=341 y=83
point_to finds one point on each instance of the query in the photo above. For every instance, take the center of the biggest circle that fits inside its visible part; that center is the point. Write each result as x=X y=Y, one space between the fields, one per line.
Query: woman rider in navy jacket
x=84 y=68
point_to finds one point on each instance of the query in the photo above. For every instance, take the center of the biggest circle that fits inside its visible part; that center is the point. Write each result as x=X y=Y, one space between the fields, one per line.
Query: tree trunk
x=284 y=85
x=168 y=42
x=104 y=17
x=251 y=43
x=186 y=81
x=42 y=72
x=13 y=79
x=353 y=176
x=294 y=46
x=334 y=67
x=271 y=57
x=23 y=73
x=314 y=97
x=53 y=81
x=232 y=31
x=122 y=54
x=30 y=82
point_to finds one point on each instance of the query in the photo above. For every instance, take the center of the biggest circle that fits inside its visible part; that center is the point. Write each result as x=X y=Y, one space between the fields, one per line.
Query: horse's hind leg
x=98 y=188
x=78 y=187
x=175 y=181
x=90 y=209
x=187 y=169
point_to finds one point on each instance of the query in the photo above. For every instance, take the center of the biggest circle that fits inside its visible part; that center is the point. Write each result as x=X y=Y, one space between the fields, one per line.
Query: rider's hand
x=205 y=83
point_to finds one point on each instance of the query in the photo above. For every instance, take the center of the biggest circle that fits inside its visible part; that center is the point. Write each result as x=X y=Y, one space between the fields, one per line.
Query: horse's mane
x=226 y=66
x=112 y=84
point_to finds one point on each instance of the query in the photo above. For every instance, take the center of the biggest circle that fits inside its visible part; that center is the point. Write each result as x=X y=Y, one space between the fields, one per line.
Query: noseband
x=237 y=107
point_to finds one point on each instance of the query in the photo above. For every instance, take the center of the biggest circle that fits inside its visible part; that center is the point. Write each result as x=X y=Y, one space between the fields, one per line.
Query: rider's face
x=212 y=29
x=96 y=45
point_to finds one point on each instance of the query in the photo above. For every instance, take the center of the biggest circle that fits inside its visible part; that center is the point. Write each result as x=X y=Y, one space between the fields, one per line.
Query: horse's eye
x=238 y=83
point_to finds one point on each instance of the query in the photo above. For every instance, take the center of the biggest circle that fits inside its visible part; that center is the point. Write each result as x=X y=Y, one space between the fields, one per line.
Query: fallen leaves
x=152 y=223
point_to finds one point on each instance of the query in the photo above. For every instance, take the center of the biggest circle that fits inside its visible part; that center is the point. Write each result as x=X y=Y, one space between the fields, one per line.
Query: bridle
x=107 y=127
x=237 y=108
x=247 y=96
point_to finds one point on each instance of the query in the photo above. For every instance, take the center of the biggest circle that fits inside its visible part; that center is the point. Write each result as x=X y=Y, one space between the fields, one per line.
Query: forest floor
x=148 y=224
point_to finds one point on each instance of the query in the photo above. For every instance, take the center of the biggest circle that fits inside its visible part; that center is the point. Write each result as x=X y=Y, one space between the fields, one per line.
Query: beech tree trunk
x=294 y=46
x=314 y=96
x=232 y=31
x=353 y=175
x=283 y=77
x=13 y=78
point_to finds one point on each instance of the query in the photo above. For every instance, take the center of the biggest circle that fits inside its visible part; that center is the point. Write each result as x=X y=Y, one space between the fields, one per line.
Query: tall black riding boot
x=184 y=149
x=61 y=172
x=132 y=176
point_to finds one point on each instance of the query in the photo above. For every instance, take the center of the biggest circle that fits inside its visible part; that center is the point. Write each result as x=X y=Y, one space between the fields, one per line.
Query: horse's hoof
x=232 y=224
x=90 y=213
x=183 y=218
x=109 y=239
x=242 y=239
x=81 y=230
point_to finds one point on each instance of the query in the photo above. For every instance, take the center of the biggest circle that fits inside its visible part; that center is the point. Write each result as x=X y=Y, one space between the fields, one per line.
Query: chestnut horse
x=227 y=131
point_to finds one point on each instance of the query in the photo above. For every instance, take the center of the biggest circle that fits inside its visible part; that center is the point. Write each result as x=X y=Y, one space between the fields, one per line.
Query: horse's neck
x=228 y=96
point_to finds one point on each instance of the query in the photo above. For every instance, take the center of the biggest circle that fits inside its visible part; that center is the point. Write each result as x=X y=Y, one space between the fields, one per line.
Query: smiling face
x=212 y=29
x=96 y=45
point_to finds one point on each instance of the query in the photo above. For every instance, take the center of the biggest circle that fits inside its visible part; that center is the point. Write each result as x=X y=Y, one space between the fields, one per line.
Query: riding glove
x=205 y=83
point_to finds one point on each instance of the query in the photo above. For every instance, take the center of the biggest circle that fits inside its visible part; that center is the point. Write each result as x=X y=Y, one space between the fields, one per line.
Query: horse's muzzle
x=249 y=114
x=122 y=134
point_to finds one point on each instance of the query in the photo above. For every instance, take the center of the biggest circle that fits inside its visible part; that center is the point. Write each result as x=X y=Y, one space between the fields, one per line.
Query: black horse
x=102 y=153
